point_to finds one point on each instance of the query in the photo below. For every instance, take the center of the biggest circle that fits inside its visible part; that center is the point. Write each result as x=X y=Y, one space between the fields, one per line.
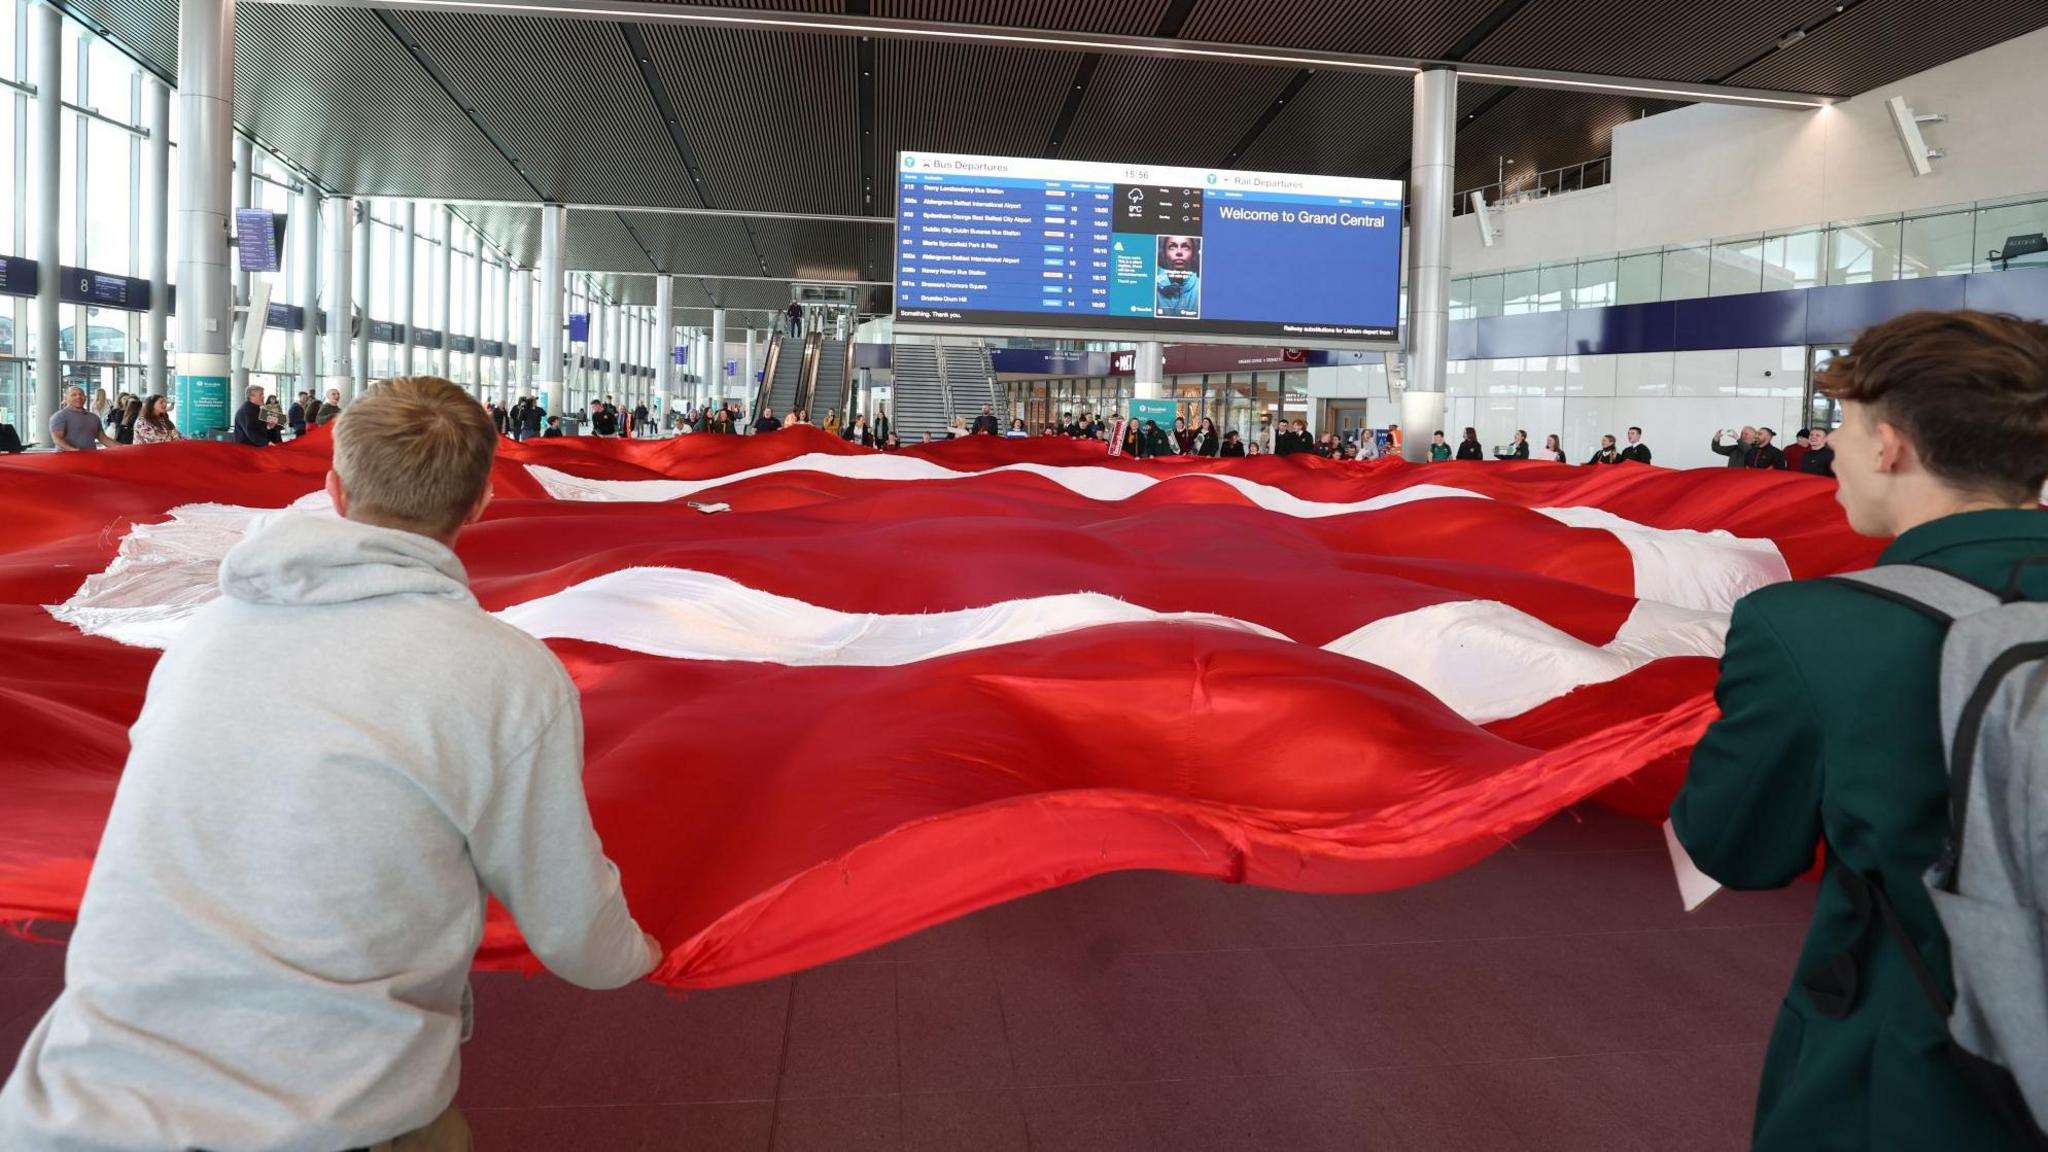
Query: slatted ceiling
x=826 y=6
x=335 y=91
x=599 y=242
x=963 y=98
x=1342 y=124
x=149 y=27
x=514 y=229
x=1155 y=111
x=1694 y=42
x=1877 y=42
x=757 y=294
x=771 y=115
x=566 y=98
x=816 y=249
x=696 y=243
x=1380 y=29
x=1119 y=18
x=1541 y=129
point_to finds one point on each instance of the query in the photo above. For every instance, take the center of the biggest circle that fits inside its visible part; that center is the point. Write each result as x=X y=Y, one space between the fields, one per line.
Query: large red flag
x=834 y=696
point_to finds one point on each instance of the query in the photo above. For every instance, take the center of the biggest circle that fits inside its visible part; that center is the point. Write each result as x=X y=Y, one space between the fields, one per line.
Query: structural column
x=1148 y=381
x=340 y=298
x=554 y=239
x=1432 y=157
x=156 y=236
x=508 y=348
x=444 y=293
x=245 y=197
x=206 y=106
x=308 y=294
x=747 y=384
x=475 y=321
x=523 y=290
x=665 y=344
x=612 y=351
x=715 y=378
x=406 y=327
x=46 y=64
x=361 y=295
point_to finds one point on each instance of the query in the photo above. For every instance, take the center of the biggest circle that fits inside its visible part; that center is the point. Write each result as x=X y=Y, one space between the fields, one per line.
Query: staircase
x=970 y=381
x=831 y=387
x=919 y=393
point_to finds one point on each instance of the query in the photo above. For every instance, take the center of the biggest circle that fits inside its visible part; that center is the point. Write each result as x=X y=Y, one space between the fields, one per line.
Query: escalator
x=793 y=365
x=831 y=382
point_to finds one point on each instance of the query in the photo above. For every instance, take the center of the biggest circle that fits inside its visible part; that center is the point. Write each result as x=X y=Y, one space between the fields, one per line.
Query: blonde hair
x=414 y=453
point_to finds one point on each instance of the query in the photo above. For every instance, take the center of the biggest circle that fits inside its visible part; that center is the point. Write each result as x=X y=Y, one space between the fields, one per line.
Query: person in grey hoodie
x=273 y=947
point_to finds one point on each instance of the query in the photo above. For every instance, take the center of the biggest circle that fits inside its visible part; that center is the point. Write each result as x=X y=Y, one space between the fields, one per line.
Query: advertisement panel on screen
x=1058 y=248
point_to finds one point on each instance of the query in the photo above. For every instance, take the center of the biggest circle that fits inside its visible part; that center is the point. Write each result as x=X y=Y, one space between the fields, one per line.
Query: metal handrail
x=763 y=389
x=1550 y=182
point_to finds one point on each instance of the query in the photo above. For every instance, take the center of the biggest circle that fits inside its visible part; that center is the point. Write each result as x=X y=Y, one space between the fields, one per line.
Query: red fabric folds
x=770 y=816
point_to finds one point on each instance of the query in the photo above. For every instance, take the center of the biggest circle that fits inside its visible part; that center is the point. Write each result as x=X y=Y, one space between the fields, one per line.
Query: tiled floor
x=1553 y=997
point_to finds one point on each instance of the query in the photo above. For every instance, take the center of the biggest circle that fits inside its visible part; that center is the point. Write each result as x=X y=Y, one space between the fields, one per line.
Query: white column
x=206 y=136
x=406 y=327
x=508 y=353
x=1148 y=381
x=156 y=235
x=1432 y=160
x=752 y=365
x=715 y=378
x=522 y=283
x=612 y=352
x=554 y=241
x=361 y=296
x=341 y=284
x=245 y=197
x=665 y=339
x=475 y=321
x=46 y=146
x=308 y=268
x=444 y=294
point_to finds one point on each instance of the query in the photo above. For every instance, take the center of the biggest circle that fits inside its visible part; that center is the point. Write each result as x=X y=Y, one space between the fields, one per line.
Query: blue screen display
x=989 y=244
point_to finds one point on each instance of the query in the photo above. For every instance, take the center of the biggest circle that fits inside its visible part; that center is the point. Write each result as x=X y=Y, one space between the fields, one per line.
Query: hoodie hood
x=303 y=558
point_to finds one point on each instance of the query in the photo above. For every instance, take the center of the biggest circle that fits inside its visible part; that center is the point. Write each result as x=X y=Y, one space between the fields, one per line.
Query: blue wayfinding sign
x=682 y=354
x=732 y=367
x=579 y=327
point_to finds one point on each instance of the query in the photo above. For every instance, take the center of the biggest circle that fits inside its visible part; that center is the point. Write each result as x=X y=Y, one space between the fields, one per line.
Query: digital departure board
x=1006 y=246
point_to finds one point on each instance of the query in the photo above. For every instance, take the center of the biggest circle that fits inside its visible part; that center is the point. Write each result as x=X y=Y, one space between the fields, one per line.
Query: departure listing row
x=992 y=244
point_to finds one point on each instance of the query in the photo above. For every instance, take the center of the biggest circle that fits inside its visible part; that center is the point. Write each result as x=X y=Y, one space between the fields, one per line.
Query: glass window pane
x=1792 y=261
x=1997 y=223
x=1685 y=271
x=1737 y=267
x=109 y=185
x=1640 y=277
x=1486 y=295
x=1462 y=307
x=1596 y=283
x=110 y=84
x=1862 y=253
x=1519 y=292
x=69 y=66
x=1936 y=245
x=67 y=190
x=1555 y=285
x=8 y=9
x=10 y=179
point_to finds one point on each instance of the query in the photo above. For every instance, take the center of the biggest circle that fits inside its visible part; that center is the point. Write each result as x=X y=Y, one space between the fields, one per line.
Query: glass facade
x=1947 y=241
x=102 y=205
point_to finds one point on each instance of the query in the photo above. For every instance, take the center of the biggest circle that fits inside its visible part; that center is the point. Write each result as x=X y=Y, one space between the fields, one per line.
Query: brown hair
x=1969 y=389
x=414 y=453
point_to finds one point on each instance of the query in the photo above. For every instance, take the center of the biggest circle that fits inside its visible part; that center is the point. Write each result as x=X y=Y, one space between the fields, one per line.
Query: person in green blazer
x=1830 y=734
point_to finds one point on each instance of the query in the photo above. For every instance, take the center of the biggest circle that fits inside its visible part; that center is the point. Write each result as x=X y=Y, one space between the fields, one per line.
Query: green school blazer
x=1830 y=729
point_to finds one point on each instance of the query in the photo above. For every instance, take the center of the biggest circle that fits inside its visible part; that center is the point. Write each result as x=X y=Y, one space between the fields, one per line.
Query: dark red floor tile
x=37 y=959
x=647 y=1045
x=964 y=1122
x=950 y=1024
x=1700 y=1100
x=1437 y=1110
x=623 y=1128
x=1378 y=1006
x=842 y=1033
x=1090 y=1118
x=1556 y=1106
x=839 y=1124
x=1333 y=1112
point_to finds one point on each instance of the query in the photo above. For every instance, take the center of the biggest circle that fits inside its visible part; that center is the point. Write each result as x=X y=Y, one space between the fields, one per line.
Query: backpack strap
x=1929 y=591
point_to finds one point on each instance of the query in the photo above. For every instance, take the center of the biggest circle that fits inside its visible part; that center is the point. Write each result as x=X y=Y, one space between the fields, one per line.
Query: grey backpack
x=1990 y=886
